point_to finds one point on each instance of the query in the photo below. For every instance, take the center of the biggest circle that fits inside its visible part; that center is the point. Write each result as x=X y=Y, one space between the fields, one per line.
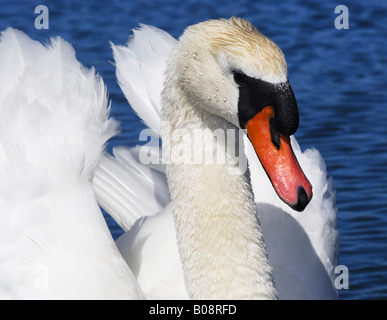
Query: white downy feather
x=137 y=58
x=119 y=181
x=54 y=242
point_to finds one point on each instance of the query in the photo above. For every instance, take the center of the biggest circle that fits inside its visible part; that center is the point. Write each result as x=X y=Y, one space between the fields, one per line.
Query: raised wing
x=54 y=242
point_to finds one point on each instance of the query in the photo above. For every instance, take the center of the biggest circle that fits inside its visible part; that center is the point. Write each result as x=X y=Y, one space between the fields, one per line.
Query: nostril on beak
x=275 y=138
x=302 y=199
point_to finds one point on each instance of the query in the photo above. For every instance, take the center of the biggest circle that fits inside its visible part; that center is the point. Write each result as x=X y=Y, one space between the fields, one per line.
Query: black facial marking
x=240 y=78
x=256 y=94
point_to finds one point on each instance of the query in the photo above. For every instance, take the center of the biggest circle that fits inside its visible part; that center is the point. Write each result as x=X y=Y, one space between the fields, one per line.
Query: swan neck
x=218 y=234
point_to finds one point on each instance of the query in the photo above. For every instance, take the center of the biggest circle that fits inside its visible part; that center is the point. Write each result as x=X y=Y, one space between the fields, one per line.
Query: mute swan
x=54 y=241
x=207 y=243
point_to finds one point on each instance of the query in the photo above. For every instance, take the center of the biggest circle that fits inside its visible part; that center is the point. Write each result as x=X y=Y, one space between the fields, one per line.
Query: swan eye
x=240 y=78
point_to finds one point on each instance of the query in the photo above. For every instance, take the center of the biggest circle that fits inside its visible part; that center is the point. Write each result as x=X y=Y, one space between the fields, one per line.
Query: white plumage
x=54 y=242
x=138 y=58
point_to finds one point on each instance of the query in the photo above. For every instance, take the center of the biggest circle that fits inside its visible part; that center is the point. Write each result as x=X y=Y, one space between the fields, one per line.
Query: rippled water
x=339 y=78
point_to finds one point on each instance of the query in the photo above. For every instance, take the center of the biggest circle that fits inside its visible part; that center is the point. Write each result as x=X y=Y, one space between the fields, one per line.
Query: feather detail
x=140 y=76
x=54 y=242
x=118 y=182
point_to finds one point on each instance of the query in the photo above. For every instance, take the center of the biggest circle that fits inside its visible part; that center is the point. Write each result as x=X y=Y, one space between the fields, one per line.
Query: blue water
x=339 y=78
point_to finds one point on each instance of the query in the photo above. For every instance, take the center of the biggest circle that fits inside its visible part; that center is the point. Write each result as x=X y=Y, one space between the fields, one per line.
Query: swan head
x=231 y=70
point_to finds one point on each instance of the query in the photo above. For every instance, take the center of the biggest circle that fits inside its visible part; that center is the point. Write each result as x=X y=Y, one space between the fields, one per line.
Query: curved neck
x=219 y=237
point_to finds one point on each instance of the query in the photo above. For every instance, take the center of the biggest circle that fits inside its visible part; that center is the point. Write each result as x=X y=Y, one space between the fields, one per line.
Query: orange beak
x=278 y=159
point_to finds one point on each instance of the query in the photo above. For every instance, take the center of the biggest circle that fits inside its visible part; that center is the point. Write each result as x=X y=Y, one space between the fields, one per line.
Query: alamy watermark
x=195 y=146
x=342 y=20
x=42 y=20
x=342 y=278
x=42 y=279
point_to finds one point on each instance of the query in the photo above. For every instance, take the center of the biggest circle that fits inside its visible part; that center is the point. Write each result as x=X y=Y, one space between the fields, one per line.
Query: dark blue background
x=339 y=78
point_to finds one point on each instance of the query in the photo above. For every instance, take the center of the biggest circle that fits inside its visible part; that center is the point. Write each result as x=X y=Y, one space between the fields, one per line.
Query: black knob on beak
x=285 y=109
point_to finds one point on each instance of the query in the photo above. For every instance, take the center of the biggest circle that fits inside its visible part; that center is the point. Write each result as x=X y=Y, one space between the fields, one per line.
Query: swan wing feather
x=54 y=242
x=140 y=71
x=128 y=189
